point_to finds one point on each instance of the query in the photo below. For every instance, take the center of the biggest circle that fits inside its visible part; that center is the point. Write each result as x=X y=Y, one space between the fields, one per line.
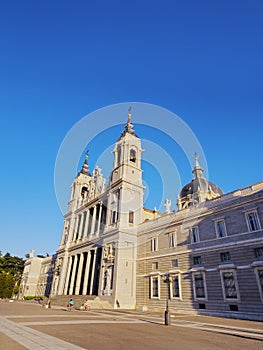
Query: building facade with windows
x=37 y=276
x=206 y=257
x=216 y=265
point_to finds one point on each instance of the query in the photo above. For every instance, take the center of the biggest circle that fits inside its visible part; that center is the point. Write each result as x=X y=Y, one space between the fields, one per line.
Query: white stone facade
x=37 y=276
x=205 y=258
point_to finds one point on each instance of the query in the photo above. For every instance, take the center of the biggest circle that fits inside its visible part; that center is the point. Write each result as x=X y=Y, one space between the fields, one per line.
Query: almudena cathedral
x=206 y=257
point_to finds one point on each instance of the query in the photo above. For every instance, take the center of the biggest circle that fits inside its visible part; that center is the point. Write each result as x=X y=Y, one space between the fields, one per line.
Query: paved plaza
x=27 y=325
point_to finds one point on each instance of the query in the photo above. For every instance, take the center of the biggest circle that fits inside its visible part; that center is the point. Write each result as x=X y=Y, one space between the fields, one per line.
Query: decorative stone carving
x=108 y=264
x=108 y=254
x=167 y=205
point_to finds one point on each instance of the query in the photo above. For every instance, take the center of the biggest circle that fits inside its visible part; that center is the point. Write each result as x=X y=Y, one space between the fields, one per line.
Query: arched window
x=118 y=155
x=133 y=155
x=84 y=192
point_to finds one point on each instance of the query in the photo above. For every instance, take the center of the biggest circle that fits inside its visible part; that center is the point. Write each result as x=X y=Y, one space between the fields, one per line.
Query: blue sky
x=61 y=60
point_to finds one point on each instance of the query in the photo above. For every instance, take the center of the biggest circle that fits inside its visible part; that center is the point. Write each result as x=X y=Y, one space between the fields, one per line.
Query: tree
x=11 y=270
x=7 y=283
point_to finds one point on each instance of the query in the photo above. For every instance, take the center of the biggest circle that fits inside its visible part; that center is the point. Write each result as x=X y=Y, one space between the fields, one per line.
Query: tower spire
x=197 y=170
x=85 y=166
x=129 y=125
x=129 y=115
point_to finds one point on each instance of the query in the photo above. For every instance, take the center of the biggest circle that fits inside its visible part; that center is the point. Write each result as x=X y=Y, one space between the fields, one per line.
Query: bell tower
x=126 y=178
x=125 y=208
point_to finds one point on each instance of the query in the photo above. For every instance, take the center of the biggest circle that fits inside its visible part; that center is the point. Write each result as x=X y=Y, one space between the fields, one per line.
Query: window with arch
x=118 y=155
x=133 y=155
x=84 y=192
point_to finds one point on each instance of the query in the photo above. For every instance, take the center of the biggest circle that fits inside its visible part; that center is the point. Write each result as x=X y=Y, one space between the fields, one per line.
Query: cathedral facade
x=206 y=257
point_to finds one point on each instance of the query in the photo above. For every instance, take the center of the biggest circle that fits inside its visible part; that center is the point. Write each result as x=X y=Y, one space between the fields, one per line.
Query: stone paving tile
x=55 y=329
x=7 y=343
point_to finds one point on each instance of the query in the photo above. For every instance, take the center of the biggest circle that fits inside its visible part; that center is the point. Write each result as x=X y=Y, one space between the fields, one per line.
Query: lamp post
x=167 y=315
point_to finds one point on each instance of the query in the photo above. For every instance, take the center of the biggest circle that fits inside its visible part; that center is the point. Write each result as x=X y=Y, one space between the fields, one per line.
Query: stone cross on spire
x=129 y=126
x=129 y=115
x=85 y=166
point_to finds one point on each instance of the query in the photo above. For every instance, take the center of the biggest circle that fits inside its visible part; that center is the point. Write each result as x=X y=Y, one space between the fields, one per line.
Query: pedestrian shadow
x=152 y=322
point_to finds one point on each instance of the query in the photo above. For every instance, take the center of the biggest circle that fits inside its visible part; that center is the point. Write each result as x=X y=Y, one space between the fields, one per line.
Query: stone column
x=93 y=221
x=68 y=274
x=79 y=274
x=93 y=272
x=109 y=210
x=62 y=276
x=86 y=225
x=99 y=219
x=75 y=229
x=70 y=230
x=80 y=226
x=73 y=275
x=86 y=276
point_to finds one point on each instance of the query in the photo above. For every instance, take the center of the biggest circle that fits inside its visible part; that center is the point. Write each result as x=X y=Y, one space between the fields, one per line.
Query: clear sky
x=61 y=60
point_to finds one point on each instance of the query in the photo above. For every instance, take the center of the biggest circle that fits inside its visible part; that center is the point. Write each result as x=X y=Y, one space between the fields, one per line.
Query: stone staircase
x=94 y=302
x=97 y=303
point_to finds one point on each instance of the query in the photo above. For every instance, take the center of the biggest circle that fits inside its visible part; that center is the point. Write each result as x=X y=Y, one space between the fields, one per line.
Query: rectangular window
x=175 y=286
x=194 y=233
x=229 y=285
x=259 y=252
x=199 y=285
x=172 y=240
x=175 y=263
x=225 y=256
x=220 y=228
x=155 y=265
x=252 y=221
x=154 y=244
x=103 y=214
x=233 y=307
x=259 y=275
x=155 y=287
x=131 y=217
x=197 y=260
x=114 y=218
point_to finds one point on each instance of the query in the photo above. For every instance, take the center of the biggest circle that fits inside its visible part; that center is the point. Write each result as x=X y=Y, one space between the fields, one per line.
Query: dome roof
x=200 y=184
x=198 y=190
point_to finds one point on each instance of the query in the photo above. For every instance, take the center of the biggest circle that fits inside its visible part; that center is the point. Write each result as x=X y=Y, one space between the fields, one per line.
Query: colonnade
x=89 y=223
x=82 y=275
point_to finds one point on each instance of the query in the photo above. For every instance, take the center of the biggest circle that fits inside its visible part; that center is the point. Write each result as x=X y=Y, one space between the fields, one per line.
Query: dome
x=198 y=190
x=200 y=184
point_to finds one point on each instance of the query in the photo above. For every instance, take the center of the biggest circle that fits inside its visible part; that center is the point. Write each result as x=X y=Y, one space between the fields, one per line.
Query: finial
x=87 y=154
x=197 y=171
x=129 y=126
x=196 y=160
x=129 y=115
x=85 y=166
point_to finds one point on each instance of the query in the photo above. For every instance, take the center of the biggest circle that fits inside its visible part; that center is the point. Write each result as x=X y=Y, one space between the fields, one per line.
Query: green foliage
x=30 y=297
x=16 y=289
x=11 y=269
x=12 y=265
x=7 y=283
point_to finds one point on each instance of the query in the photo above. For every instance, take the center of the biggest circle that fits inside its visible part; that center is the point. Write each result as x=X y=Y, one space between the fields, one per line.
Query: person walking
x=70 y=304
x=86 y=305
